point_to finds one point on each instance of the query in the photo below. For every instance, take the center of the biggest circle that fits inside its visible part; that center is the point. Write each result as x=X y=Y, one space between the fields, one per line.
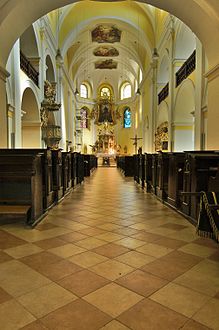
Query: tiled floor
x=108 y=257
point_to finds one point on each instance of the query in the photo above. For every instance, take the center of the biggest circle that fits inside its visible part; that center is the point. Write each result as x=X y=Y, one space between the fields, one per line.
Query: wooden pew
x=47 y=175
x=21 y=185
x=79 y=168
x=66 y=172
x=136 y=168
x=126 y=165
x=162 y=176
x=154 y=174
x=175 y=178
x=148 y=171
x=57 y=174
x=90 y=164
x=142 y=170
x=198 y=169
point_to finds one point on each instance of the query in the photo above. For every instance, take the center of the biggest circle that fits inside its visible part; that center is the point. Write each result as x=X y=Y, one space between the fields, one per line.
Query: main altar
x=105 y=116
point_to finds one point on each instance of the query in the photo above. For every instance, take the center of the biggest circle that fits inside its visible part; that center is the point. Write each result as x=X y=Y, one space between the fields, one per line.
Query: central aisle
x=108 y=257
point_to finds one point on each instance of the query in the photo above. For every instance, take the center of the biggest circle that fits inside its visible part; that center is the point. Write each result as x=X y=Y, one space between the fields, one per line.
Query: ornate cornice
x=4 y=74
x=213 y=73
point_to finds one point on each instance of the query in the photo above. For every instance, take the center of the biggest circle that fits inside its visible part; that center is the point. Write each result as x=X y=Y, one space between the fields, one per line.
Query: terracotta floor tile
x=36 y=325
x=92 y=231
x=40 y=259
x=14 y=316
x=77 y=315
x=170 y=242
x=180 y=299
x=8 y=241
x=193 y=325
x=172 y=265
x=113 y=299
x=173 y=226
x=198 y=250
x=110 y=237
x=58 y=270
x=114 y=325
x=126 y=231
x=67 y=250
x=135 y=259
x=4 y=257
x=23 y=250
x=87 y=259
x=142 y=283
x=46 y=299
x=111 y=250
x=147 y=237
x=4 y=296
x=18 y=279
x=45 y=226
x=83 y=282
x=90 y=243
x=111 y=269
x=130 y=242
x=214 y=256
x=208 y=314
x=50 y=243
x=154 y=250
x=150 y=315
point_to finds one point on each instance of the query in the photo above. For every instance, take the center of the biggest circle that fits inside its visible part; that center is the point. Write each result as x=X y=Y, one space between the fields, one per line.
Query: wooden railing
x=163 y=93
x=28 y=68
x=186 y=69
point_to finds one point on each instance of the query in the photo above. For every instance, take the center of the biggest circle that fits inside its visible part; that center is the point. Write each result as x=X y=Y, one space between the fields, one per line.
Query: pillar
x=3 y=109
x=213 y=109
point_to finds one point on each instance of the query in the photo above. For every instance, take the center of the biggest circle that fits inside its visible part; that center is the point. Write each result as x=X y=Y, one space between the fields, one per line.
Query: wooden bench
x=13 y=211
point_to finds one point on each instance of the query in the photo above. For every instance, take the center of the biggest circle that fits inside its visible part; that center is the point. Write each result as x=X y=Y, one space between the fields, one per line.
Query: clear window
x=126 y=91
x=83 y=91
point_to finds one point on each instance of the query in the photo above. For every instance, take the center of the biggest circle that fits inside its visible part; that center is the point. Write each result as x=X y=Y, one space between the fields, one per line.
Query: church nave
x=108 y=257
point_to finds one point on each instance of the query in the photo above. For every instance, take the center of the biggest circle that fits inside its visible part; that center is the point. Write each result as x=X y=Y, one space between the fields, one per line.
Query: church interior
x=109 y=165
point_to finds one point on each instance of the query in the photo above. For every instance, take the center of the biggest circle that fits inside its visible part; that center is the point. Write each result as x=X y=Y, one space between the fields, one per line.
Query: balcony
x=163 y=93
x=186 y=69
x=28 y=68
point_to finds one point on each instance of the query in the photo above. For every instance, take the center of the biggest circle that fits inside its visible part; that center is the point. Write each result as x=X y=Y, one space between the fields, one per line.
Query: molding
x=11 y=110
x=31 y=123
x=213 y=73
x=4 y=74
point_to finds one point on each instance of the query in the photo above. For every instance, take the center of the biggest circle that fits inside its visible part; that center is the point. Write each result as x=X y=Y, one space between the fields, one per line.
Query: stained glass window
x=127 y=118
x=83 y=91
x=84 y=122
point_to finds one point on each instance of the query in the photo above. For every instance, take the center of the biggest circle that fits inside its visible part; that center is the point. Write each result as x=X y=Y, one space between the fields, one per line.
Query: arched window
x=105 y=91
x=83 y=91
x=84 y=118
x=126 y=91
x=127 y=118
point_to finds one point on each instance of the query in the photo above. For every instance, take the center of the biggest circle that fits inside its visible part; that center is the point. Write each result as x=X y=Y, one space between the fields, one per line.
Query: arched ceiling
x=200 y=15
x=76 y=23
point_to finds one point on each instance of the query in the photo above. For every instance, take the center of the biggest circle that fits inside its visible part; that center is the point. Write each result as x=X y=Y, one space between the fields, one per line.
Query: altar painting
x=106 y=51
x=107 y=64
x=106 y=33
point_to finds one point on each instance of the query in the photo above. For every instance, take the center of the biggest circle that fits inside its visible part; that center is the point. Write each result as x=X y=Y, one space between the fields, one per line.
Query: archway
x=183 y=117
x=31 y=125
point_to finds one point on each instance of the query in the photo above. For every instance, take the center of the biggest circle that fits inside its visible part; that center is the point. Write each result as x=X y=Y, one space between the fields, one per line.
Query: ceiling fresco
x=106 y=33
x=107 y=64
x=106 y=51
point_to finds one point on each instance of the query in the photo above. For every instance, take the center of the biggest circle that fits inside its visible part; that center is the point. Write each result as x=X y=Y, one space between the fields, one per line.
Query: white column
x=213 y=113
x=17 y=94
x=171 y=89
x=3 y=109
x=154 y=104
x=199 y=86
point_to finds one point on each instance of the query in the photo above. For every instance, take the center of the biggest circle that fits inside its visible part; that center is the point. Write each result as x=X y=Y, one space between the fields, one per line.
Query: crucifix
x=136 y=142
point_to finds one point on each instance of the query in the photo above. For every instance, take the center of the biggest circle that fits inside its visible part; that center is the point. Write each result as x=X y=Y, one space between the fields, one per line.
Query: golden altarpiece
x=105 y=115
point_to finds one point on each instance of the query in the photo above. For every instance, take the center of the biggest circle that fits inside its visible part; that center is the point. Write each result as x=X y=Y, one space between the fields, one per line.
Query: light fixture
x=59 y=58
x=138 y=92
x=155 y=55
x=76 y=92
